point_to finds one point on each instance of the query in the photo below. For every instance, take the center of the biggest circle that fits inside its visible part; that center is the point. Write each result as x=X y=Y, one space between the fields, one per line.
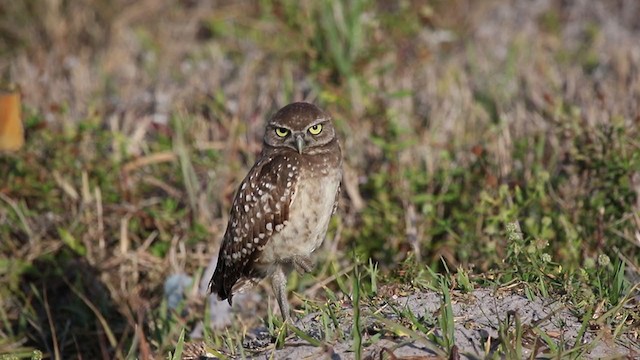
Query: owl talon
x=302 y=264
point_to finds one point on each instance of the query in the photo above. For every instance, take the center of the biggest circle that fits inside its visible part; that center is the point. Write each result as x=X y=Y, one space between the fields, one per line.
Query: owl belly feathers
x=306 y=229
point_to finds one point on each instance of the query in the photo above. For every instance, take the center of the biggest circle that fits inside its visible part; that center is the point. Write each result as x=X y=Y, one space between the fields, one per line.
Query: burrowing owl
x=282 y=209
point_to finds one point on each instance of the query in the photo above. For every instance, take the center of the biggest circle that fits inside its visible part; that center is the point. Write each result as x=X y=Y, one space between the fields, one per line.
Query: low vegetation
x=487 y=145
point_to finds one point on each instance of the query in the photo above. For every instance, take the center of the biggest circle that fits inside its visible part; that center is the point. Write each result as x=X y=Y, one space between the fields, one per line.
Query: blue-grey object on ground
x=174 y=288
x=220 y=311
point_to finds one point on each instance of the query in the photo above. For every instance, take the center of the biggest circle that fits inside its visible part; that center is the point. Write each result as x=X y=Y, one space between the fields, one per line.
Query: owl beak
x=299 y=143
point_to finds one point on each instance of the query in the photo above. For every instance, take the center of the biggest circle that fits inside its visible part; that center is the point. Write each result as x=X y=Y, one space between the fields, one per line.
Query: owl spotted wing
x=260 y=208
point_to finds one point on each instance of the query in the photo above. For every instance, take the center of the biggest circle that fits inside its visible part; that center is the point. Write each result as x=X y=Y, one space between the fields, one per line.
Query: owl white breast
x=306 y=229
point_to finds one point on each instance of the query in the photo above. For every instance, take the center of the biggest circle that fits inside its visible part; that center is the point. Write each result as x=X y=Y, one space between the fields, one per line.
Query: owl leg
x=302 y=264
x=279 y=284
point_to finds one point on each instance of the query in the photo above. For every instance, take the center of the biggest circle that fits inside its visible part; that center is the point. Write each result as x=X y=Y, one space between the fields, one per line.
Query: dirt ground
x=478 y=317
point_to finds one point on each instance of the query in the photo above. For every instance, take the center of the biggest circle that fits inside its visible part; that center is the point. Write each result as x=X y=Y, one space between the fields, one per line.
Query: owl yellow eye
x=315 y=129
x=282 y=132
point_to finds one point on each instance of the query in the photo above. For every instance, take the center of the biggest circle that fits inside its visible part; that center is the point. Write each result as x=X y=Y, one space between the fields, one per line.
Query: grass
x=513 y=159
x=357 y=326
x=177 y=355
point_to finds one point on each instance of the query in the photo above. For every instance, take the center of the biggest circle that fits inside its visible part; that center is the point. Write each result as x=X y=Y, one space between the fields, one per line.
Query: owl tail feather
x=218 y=281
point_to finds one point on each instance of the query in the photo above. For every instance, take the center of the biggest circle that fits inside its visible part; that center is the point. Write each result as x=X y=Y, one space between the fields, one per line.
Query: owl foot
x=303 y=264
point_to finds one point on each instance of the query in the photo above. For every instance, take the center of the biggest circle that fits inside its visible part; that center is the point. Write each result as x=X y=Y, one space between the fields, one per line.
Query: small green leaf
x=177 y=355
x=72 y=242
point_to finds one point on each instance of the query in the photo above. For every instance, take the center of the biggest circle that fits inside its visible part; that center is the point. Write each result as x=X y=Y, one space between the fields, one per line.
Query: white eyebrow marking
x=279 y=125
x=316 y=122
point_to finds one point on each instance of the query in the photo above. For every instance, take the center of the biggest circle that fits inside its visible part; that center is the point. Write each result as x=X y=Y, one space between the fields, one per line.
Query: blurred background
x=456 y=117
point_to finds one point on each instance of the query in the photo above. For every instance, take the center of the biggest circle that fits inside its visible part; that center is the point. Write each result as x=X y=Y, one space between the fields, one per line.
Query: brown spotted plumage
x=282 y=208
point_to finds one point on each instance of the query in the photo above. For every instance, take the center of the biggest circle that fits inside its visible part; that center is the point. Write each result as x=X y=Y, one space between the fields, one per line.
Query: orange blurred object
x=11 y=131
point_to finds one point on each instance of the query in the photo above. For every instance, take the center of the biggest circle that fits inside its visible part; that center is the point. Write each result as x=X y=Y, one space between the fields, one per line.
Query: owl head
x=302 y=127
